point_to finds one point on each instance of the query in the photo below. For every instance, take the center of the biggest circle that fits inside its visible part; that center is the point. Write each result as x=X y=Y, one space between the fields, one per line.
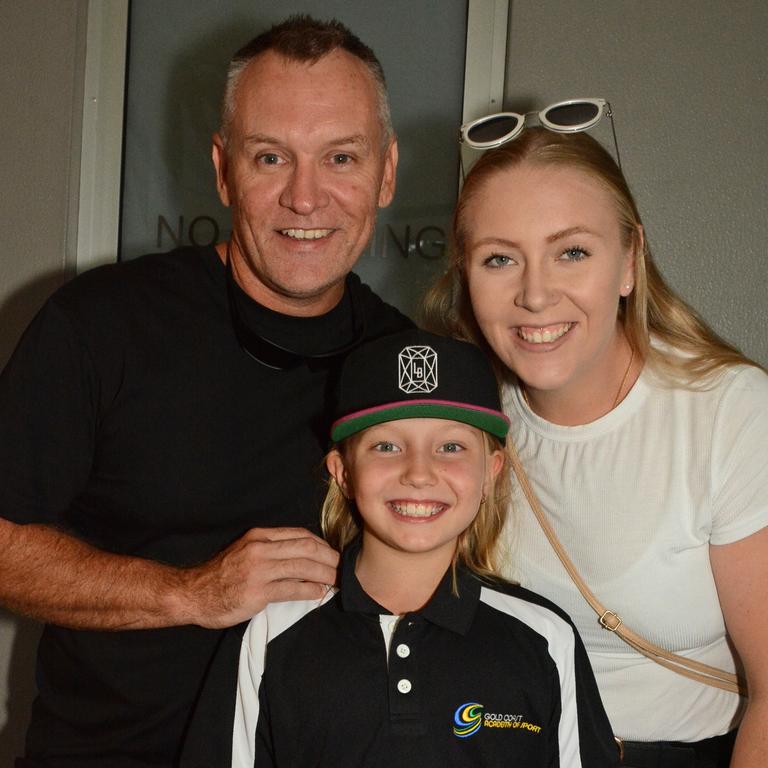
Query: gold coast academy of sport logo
x=469 y=718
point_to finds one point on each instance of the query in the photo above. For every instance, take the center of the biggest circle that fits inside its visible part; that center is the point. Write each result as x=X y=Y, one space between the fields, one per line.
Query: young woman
x=643 y=433
x=424 y=657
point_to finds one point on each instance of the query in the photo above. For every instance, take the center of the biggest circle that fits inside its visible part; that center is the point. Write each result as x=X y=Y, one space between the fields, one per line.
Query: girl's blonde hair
x=478 y=547
x=691 y=353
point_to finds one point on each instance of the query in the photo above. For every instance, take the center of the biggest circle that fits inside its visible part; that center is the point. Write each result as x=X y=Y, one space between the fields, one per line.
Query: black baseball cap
x=416 y=374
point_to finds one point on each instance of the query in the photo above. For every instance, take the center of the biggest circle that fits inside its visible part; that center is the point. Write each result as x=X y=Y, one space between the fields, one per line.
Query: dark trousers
x=709 y=753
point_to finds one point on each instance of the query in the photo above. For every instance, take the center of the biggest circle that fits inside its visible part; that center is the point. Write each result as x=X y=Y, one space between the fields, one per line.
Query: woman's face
x=546 y=267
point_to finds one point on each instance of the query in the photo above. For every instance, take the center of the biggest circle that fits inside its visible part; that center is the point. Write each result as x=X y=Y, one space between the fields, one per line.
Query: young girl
x=422 y=657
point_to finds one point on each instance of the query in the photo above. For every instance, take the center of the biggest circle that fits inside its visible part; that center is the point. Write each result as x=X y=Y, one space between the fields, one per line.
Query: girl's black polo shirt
x=497 y=676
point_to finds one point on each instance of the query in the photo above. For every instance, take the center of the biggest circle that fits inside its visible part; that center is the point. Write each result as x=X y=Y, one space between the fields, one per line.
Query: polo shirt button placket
x=405 y=695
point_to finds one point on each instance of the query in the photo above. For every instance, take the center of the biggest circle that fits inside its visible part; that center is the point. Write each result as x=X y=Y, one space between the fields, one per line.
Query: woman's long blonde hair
x=690 y=353
x=478 y=547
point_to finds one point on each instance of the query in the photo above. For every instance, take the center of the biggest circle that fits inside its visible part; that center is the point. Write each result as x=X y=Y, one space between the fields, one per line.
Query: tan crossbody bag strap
x=611 y=621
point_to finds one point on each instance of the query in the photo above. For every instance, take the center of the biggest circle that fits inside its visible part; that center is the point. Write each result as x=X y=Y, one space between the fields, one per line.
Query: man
x=161 y=421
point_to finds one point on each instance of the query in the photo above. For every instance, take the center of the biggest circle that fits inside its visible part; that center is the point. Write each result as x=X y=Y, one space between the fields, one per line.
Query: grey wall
x=688 y=81
x=42 y=46
x=41 y=64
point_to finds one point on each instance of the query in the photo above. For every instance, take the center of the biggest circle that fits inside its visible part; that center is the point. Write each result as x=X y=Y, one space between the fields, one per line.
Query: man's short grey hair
x=303 y=38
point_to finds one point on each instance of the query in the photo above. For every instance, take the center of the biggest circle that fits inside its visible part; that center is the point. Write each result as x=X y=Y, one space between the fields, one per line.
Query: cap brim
x=494 y=422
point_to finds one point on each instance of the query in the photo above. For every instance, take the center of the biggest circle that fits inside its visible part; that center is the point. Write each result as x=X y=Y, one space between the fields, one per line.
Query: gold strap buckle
x=620 y=745
x=610 y=621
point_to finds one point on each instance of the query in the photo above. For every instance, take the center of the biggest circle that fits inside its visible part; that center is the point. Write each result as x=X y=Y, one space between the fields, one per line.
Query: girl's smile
x=417 y=510
x=417 y=483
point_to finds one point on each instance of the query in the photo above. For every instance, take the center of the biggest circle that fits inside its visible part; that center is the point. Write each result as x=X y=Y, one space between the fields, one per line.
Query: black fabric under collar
x=444 y=610
x=278 y=354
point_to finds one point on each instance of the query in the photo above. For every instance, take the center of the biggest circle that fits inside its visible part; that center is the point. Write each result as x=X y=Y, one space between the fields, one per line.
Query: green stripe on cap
x=489 y=421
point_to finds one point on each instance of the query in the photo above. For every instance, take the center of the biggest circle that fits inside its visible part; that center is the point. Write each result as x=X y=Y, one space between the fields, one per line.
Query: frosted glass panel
x=178 y=52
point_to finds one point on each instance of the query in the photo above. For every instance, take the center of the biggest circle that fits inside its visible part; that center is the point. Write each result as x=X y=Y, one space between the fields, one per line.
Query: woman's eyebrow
x=491 y=240
x=578 y=230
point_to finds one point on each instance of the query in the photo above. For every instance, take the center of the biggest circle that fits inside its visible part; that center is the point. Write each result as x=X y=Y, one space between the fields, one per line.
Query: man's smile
x=306 y=234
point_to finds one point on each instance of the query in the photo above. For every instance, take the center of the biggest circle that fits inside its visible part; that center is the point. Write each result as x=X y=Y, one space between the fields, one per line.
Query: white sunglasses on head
x=563 y=117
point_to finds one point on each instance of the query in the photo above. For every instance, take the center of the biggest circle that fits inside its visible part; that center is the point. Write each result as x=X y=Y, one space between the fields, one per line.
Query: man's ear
x=338 y=471
x=387 y=188
x=219 y=156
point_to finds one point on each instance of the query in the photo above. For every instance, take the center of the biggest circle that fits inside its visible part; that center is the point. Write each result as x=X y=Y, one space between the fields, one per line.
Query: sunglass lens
x=492 y=129
x=567 y=115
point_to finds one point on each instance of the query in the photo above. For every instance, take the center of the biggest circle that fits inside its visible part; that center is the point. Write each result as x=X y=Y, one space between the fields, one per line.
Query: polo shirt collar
x=445 y=609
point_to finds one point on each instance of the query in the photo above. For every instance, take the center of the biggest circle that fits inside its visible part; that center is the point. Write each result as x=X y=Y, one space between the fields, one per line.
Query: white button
x=403 y=651
x=404 y=686
x=393 y=625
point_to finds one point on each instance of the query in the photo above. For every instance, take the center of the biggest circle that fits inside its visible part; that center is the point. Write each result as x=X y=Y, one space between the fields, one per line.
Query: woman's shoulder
x=674 y=368
x=706 y=404
x=746 y=378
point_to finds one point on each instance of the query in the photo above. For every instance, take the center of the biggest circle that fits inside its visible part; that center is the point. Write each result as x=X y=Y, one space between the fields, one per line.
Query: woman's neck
x=594 y=396
x=401 y=582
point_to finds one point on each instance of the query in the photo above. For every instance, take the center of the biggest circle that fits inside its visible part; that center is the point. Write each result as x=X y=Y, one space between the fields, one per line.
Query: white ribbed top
x=636 y=498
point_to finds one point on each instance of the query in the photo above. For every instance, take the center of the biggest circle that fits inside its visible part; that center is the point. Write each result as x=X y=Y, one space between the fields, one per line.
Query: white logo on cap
x=417 y=369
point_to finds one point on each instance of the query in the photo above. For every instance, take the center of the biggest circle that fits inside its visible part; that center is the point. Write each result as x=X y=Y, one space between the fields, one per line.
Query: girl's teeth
x=416 y=509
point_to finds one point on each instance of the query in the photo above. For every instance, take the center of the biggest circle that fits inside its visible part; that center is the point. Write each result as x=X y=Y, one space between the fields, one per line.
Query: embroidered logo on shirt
x=469 y=718
x=417 y=369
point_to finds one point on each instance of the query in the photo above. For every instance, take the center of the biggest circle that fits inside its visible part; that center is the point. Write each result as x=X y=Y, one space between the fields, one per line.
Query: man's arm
x=54 y=577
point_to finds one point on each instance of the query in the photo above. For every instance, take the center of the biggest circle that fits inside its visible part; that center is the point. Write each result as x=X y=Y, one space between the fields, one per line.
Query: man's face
x=304 y=170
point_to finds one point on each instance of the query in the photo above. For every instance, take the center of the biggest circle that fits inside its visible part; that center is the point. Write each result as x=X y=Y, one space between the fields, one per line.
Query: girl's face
x=546 y=267
x=417 y=483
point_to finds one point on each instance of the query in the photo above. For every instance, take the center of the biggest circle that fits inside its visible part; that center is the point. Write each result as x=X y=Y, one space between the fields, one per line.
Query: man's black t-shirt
x=131 y=418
